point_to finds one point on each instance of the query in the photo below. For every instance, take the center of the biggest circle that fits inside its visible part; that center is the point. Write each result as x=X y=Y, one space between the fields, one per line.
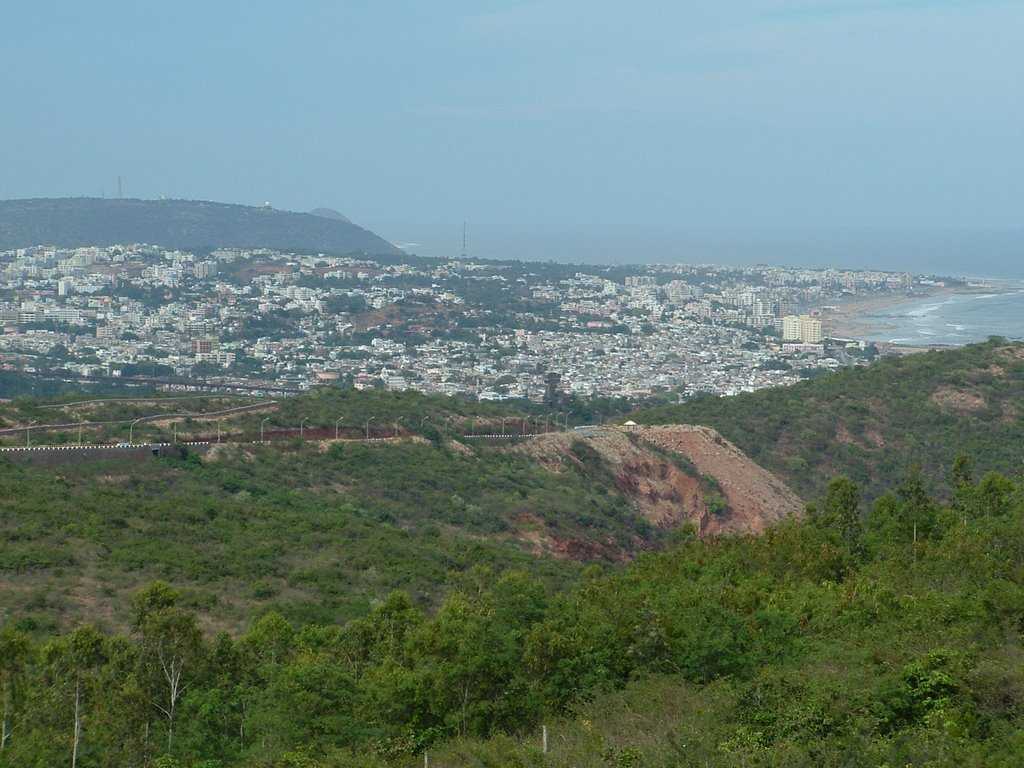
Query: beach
x=936 y=318
x=863 y=317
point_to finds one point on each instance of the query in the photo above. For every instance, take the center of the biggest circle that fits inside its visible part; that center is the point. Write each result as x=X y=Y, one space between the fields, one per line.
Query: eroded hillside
x=676 y=474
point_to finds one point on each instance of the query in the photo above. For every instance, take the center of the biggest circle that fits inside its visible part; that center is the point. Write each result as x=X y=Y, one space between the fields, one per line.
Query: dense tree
x=822 y=642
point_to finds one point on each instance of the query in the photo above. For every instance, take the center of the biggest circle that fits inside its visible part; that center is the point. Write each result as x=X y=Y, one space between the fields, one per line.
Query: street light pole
x=218 y=430
x=302 y=425
x=337 y=423
x=28 y=434
x=131 y=431
x=81 y=421
x=262 y=425
x=372 y=418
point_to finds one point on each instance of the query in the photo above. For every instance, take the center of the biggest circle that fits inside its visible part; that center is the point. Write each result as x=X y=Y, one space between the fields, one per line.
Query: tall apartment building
x=801 y=328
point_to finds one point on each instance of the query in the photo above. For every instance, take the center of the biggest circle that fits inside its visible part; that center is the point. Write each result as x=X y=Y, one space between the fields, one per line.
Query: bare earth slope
x=756 y=497
x=659 y=469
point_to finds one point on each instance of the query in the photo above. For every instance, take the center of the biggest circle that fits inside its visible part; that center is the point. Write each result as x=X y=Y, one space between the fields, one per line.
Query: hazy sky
x=553 y=127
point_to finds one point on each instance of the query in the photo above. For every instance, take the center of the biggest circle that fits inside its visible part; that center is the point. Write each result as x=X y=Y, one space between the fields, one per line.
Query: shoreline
x=857 y=317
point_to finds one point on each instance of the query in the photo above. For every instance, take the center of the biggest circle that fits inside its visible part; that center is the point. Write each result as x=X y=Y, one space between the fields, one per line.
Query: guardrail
x=35 y=428
x=151 y=445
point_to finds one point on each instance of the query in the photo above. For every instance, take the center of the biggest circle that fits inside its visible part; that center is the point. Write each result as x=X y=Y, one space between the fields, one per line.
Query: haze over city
x=879 y=134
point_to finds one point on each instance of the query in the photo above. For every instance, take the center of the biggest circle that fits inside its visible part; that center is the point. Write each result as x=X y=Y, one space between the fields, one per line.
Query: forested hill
x=187 y=224
x=857 y=638
x=873 y=424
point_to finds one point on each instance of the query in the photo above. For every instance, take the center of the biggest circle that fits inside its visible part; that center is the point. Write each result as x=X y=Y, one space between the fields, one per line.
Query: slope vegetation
x=873 y=424
x=187 y=224
x=320 y=528
x=842 y=640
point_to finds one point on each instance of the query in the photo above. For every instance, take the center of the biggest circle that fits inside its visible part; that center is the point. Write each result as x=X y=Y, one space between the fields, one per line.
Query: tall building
x=801 y=328
x=552 y=388
x=810 y=330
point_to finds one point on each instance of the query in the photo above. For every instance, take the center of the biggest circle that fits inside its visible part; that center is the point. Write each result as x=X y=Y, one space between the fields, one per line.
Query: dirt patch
x=461 y=448
x=843 y=435
x=665 y=495
x=1011 y=413
x=874 y=437
x=668 y=492
x=958 y=400
x=756 y=498
x=1013 y=352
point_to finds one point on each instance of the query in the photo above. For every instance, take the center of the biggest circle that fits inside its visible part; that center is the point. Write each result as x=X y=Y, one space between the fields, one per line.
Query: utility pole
x=28 y=434
x=263 y=424
x=337 y=423
x=81 y=421
x=544 y=739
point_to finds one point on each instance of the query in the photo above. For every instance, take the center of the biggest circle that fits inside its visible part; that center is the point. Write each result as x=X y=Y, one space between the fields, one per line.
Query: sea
x=953 y=320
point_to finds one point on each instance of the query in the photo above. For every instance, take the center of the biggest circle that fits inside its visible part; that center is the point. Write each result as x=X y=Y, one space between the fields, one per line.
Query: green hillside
x=872 y=424
x=891 y=639
x=315 y=530
x=342 y=604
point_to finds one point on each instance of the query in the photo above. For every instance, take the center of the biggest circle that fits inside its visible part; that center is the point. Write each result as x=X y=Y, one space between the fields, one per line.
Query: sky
x=858 y=132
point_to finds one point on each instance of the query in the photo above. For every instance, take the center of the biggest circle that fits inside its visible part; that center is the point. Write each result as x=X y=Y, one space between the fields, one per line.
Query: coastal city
x=264 y=320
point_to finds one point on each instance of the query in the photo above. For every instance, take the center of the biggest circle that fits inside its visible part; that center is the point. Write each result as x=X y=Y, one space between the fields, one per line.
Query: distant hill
x=873 y=424
x=186 y=224
x=330 y=213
